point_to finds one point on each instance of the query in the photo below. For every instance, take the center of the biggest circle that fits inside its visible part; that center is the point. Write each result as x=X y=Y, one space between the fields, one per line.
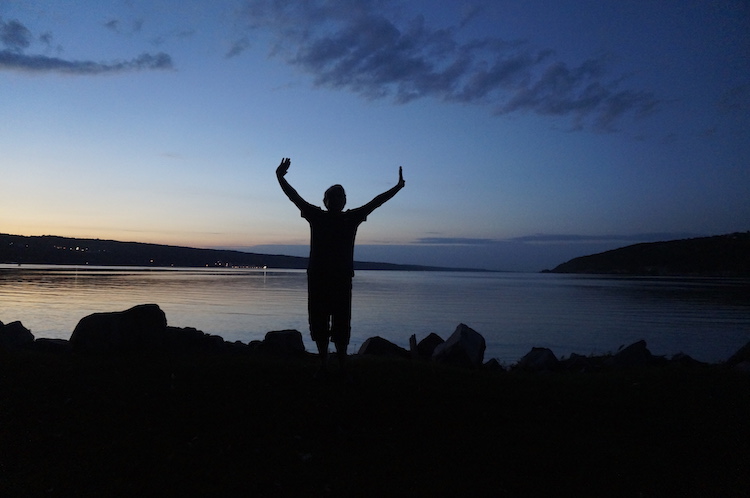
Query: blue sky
x=529 y=132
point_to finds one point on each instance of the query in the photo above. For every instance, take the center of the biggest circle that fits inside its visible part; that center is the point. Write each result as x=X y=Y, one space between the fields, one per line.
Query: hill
x=50 y=249
x=721 y=255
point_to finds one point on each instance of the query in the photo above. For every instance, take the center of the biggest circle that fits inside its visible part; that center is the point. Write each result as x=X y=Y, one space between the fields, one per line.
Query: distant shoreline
x=719 y=256
x=54 y=250
x=41 y=266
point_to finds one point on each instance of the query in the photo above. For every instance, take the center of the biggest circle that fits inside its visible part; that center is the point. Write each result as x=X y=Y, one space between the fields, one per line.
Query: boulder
x=578 y=363
x=52 y=345
x=283 y=343
x=140 y=328
x=190 y=340
x=465 y=347
x=377 y=346
x=686 y=360
x=635 y=355
x=539 y=360
x=426 y=347
x=15 y=336
x=493 y=365
x=237 y=347
x=742 y=355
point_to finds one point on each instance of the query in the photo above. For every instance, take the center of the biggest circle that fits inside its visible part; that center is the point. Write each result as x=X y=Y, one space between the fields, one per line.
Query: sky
x=529 y=132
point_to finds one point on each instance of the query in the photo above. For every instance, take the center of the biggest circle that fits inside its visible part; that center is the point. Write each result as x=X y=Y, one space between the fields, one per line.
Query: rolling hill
x=721 y=255
x=50 y=249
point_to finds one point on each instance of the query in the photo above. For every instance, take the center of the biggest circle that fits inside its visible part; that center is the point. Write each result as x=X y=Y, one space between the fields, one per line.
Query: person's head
x=335 y=199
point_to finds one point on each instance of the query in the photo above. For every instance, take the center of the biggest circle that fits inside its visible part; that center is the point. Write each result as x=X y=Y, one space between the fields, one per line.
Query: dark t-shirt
x=332 y=240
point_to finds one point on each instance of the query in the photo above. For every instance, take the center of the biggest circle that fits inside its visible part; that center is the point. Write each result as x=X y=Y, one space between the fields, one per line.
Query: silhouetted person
x=331 y=265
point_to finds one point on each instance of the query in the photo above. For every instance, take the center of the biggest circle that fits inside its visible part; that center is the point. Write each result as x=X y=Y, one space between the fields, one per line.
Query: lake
x=707 y=318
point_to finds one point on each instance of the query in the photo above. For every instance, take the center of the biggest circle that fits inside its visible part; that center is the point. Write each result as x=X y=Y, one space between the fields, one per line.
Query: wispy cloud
x=117 y=26
x=361 y=48
x=15 y=38
x=179 y=34
x=629 y=238
x=238 y=46
x=455 y=241
x=558 y=239
x=14 y=35
x=41 y=63
x=113 y=24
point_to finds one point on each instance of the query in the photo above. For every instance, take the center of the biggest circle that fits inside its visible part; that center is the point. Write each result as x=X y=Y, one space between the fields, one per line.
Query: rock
x=283 y=343
x=15 y=336
x=191 y=340
x=686 y=360
x=578 y=363
x=237 y=347
x=742 y=354
x=215 y=342
x=635 y=355
x=140 y=328
x=493 y=365
x=52 y=345
x=539 y=360
x=465 y=347
x=426 y=347
x=377 y=346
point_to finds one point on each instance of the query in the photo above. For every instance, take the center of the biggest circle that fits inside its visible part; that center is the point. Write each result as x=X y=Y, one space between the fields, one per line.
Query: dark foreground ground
x=253 y=426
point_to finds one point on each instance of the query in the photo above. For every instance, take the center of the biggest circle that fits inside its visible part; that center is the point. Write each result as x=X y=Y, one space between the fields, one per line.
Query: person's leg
x=341 y=328
x=318 y=318
x=323 y=353
x=341 y=354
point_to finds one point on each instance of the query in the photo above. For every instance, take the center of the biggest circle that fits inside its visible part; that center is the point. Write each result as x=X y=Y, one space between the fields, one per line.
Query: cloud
x=46 y=38
x=174 y=34
x=116 y=26
x=113 y=25
x=453 y=241
x=629 y=238
x=364 y=49
x=238 y=47
x=579 y=92
x=43 y=64
x=15 y=37
x=542 y=238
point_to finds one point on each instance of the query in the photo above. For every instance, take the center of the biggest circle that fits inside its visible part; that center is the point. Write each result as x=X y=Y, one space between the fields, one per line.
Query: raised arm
x=288 y=189
x=381 y=199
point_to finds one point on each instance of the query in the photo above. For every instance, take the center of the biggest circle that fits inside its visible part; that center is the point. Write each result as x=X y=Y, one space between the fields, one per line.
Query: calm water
x=706 y=318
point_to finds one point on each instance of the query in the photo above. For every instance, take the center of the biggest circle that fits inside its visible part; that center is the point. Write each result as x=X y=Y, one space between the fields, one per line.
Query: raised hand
x=283 y=167
x=401 y=181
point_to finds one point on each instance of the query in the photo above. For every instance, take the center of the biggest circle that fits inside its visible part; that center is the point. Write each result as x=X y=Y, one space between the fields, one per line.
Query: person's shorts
x=329 y=307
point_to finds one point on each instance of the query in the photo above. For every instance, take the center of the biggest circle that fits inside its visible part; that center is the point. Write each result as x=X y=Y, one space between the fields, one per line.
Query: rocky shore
x=129 y=406
x=143 y=329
